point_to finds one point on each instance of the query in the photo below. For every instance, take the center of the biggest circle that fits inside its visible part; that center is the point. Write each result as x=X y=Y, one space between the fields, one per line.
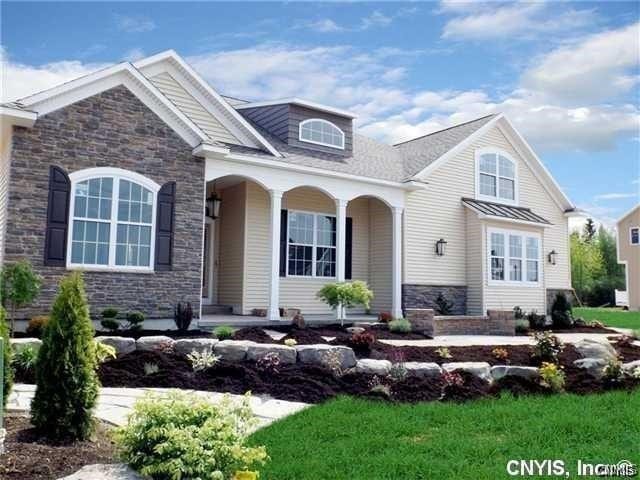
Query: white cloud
x=376 y=19
x=615 y=196
x=134 y=24
x=133 y=55
x=325 y=25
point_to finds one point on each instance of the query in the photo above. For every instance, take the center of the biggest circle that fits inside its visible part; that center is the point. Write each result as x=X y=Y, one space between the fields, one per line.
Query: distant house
x=628 y=231
x=164 y=191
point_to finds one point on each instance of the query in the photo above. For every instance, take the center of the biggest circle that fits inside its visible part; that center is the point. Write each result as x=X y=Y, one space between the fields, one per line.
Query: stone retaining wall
x=424 y=296
x=496 y=322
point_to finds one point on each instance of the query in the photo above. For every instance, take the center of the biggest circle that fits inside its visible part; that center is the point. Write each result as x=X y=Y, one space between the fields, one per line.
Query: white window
x=496 y=179
x=514 y=257
x=112 y=223
x=321 y=132
x=311 y=245
x=634 y=235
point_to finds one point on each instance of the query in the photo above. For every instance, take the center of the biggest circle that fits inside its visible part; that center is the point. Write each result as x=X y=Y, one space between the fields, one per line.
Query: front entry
x=210 y=263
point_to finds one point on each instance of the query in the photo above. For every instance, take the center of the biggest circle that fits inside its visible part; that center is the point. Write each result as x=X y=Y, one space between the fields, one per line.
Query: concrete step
x=217 y=310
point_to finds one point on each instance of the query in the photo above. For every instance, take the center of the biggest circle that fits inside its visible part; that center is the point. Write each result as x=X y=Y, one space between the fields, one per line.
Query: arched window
x=496 y=177
x=321 y=132
x=112 y=220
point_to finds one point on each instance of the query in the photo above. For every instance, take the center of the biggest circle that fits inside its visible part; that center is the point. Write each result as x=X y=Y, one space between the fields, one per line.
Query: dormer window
x=496 y=177
x=321 y=132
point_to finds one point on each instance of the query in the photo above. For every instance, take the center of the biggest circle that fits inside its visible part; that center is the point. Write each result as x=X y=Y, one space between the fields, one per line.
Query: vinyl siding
x=192 y=108
x=475 y=267
x=630 y=254
x=380 y=258
x=273 y=118
x=258 y=249
x=5 y=162
x=232 y=247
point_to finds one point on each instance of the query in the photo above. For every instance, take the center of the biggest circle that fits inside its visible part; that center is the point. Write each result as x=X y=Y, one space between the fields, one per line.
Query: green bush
x=7 y=382
x=223 y=332
x=25 y=359
x=442 y=305
x=110 y=324
x=536 y=322
x=547 y=347
x=522 y=325
x=19 y=286
x=346 y=295
x=66 y=380
x=183 y=436
x=561 y=312
x=182 y=316
x=36 y=325
x=104 y=352
x=400 y=325
x=109 y=313
x=135 y=320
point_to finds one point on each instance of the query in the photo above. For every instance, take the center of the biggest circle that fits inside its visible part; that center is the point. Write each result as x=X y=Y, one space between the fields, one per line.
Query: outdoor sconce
x=440 y=247
x=213 y=206
x=552 y=257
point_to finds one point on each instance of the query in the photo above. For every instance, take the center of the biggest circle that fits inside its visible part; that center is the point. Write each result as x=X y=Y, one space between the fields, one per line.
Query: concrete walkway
x=115 y=404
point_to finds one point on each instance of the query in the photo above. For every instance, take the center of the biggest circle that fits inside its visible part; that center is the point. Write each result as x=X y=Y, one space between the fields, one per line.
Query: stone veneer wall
x=111 y=129
x=424 y=296
x=496 y=322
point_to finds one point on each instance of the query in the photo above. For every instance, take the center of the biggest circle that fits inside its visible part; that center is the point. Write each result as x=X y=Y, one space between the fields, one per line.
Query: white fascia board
x=204 y=148
x=197 y=82
x=484 y=216
x=424 y=173
x=300 y=102
x=18 y=117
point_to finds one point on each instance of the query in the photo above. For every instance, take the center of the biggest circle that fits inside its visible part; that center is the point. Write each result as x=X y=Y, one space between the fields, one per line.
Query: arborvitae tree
x=6 y=357
x=561 y=312
x=589 y=230
x=66 y=379
x=442 y=305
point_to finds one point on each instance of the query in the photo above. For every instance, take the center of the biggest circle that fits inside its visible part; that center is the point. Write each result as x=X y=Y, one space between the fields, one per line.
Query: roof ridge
x=444 y=129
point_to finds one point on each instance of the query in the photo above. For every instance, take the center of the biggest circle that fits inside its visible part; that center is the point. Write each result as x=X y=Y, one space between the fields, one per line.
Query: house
x=164 y=191
x=628 y=246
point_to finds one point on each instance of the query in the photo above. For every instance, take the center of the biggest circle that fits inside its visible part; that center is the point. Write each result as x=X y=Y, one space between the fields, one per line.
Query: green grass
x=365 y=440
x=611 y=317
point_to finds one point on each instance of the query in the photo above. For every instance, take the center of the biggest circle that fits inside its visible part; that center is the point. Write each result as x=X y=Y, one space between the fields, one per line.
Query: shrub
x=270 y=363
x=443 y=352
x=522 y=325
x=398 y=371
x=223 y=332
x=450 y=381
x=561 y=312
x=36 y=325
x=379 y=387
x=25 y=359
x=7 y=381
x=612 y=371
x=536 y=322
x=362 y=341
x=135 y=320
x=547 y=347
x=104 y=352
x=500 y=353
x=290 y=342
x=442 y=305
x=185 y=436
x=182 y=316
x=66 y=380
x=346 y=295
x=518 y=313
x=385 y=317
x=636 y=373
x=150 y=368
x=109 y=313
x=332 y=359
x=400 y=325
x=201 y=360
x=110 y=324
x=19 y=286
x=552 y=376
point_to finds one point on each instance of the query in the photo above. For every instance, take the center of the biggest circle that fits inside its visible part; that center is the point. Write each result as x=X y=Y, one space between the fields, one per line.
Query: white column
x=396 y=301
x=274 y=284
x=341 y=244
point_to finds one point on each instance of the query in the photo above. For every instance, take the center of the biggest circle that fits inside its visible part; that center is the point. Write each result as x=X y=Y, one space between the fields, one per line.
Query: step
x=217 y=310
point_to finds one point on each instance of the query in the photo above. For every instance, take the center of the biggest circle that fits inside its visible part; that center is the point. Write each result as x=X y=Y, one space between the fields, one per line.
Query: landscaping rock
x=123 y=345
x=501 y=371
x=232 y=350
x=318 y=354
x=590 y=348
x=593 y=365
x=185 y=346
x=423 y=369
x=354 y=330
x=373 y=367
x=257 y=351
x=111 y=471
x=20 y=343
x=154 y=343
x=631 y=366
x=479 y=369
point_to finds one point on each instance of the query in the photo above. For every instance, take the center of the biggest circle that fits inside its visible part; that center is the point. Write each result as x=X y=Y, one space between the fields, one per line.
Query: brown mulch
x=585 y=329
x=28 y=456
x=305 y=336
x=253 y=334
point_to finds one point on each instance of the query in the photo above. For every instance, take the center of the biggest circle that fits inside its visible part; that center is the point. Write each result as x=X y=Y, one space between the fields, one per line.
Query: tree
x=20 y=287
x=343 y=295
x=589 y=230
x=66 y=379
x=587 y=264
x=7 y=380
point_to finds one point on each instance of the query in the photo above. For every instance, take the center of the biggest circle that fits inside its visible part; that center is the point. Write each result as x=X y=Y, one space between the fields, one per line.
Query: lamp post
x=440 y=247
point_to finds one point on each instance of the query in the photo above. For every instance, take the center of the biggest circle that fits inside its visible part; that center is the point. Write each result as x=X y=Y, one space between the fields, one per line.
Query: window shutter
x=348 y=253
x=284 y=218
x=165 y=211
x=55 y=249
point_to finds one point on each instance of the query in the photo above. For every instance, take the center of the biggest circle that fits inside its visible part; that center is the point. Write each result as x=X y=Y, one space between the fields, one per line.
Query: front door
x=209 y=274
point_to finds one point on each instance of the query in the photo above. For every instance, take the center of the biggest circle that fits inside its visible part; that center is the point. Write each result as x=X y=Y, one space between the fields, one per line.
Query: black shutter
x=284 y=216
x=55 y=244
x=348 y=252
x=165 y=211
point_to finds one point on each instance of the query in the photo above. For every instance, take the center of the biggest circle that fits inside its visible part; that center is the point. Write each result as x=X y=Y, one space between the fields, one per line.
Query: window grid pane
x=312 y=245
x=487 y=185
x=497 y=256
x=90 y=243
x=322 y=132
x=635 y=236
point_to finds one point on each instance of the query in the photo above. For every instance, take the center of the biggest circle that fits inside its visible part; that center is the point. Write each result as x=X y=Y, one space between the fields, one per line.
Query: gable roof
x=633 y=209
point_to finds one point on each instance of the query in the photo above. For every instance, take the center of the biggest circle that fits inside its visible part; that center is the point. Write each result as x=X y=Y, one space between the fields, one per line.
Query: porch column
x=274 y=283
x=396 y=279
x=341 y=244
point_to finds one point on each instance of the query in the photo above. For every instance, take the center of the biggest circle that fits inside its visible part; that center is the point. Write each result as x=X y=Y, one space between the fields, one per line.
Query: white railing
x=622 y=298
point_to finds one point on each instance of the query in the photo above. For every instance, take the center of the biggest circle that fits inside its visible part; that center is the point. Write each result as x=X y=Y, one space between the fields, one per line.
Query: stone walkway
x=115 y=404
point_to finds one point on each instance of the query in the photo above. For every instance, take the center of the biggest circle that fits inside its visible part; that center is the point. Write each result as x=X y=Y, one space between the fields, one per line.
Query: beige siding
x=380 y=259
x=5 y=161
x=231 y=256
x=258 y=261
x=437 y=213
x=631 y=255
x=192 y=108
x=475 y=265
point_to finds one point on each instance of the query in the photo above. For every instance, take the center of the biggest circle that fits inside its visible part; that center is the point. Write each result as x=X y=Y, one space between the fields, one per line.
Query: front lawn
x=612 y=317
x=353 y=439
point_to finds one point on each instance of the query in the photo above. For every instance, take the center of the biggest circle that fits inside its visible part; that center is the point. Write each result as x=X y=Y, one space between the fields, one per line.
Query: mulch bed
x=175 y=334
x=31 y=457
x=585 y=329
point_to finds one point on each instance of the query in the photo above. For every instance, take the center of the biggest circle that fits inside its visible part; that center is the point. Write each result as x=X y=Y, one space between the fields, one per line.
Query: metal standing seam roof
x=505 y=211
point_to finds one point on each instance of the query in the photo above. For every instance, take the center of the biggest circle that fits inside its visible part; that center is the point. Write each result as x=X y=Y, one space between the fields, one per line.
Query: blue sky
x=565 y=73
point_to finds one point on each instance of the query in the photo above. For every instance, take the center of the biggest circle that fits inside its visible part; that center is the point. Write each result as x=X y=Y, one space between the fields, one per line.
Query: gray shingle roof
x=505 y=211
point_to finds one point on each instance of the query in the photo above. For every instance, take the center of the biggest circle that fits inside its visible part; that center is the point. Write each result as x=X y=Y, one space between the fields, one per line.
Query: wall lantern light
x=440 y=247
x=553 y=257
x=213 y=202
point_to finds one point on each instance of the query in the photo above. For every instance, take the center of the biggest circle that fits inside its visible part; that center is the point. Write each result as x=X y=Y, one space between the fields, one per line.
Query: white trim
x=513 y=283
x=300 y=102
x=321 y=120
x=18 y=116
x=631 y=228
x=314 y=246
x=116 y=174
x=497 y=199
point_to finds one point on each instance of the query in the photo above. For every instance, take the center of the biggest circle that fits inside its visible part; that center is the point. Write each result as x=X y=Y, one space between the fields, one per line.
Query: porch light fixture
x=440 y=247
x=552 y=256
x=213 y=202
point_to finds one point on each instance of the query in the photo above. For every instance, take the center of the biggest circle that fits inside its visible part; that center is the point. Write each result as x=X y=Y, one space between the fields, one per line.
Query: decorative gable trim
x=121 y=74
